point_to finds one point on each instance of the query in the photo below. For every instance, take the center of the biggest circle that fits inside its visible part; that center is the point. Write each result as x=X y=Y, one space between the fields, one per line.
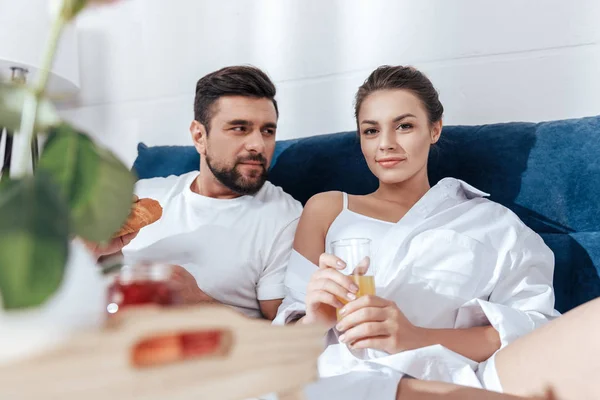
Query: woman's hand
x=328 y=289
x=371 y=322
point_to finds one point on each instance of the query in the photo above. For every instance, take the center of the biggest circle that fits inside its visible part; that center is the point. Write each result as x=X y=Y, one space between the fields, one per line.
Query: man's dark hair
x=230 y=81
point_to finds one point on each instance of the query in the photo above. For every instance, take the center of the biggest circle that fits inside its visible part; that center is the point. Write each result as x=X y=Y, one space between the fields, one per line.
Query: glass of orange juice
x=356 y=253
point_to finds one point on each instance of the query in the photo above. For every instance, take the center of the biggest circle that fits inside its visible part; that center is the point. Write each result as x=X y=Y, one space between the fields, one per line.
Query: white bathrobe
x=455 y=260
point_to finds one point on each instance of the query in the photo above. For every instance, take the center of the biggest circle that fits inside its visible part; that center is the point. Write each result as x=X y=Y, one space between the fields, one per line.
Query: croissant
x=143 y=213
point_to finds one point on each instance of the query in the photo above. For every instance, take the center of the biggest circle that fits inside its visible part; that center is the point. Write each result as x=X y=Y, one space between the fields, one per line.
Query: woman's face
x=395 y=135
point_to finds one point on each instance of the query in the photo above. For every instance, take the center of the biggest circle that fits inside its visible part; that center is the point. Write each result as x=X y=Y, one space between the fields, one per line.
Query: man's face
x=239 y=146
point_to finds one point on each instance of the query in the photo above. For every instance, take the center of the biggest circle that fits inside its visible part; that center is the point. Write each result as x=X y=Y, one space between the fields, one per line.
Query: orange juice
x=366 y=286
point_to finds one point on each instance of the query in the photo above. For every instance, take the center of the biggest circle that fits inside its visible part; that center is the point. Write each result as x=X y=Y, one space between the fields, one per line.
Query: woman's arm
x=318 y=214
x=478 y=343
x=309 y=243
x=377 y=323
x=522 y=300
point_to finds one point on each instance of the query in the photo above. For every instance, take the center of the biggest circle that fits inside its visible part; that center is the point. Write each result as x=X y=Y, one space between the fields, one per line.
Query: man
x=229 y=230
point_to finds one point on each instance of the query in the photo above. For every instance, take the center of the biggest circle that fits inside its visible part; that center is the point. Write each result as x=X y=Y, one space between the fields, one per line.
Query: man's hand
x=187 y=287
x=113 y=247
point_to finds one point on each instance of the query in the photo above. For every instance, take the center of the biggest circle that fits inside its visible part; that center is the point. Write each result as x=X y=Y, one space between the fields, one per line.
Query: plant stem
x=32 y=100
x=57 y=28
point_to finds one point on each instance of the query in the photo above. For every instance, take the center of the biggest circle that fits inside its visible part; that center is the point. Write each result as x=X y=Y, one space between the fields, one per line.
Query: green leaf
x=12 y=98
x=34 y=235
x=73 y=7
x=97 y=186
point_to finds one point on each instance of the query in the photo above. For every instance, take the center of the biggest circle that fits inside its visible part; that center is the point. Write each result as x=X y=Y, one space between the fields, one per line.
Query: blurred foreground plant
x=78 y=189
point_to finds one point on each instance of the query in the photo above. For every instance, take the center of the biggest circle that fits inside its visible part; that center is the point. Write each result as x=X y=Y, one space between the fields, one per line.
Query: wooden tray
x=258 y=359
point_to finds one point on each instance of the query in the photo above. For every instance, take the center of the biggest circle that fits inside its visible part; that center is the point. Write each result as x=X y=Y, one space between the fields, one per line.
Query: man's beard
x=232 y=179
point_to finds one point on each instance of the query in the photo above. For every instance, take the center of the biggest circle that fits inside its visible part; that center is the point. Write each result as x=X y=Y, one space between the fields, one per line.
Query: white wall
x=491 y=60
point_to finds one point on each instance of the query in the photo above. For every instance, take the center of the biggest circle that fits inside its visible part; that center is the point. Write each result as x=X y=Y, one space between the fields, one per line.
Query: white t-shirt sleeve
x=271 y=281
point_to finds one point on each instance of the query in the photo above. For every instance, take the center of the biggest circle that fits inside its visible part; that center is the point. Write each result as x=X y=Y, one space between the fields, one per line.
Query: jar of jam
x=146 y=284
x=142 y=284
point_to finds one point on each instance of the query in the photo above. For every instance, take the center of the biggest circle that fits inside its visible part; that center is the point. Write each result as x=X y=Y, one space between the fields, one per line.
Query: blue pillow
x=577 y=267
x=162 y=161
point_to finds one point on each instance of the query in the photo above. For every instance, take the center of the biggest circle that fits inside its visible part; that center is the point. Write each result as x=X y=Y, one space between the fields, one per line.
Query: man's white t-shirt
x=237 y=249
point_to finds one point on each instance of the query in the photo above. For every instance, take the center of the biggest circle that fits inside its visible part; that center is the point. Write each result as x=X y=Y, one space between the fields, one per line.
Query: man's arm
x=190 y=293
x=270 y=289
x=269 y=308
x=187 y=287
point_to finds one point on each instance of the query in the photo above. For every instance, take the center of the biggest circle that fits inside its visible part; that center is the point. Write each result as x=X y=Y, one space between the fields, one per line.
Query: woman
x=459 y=278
